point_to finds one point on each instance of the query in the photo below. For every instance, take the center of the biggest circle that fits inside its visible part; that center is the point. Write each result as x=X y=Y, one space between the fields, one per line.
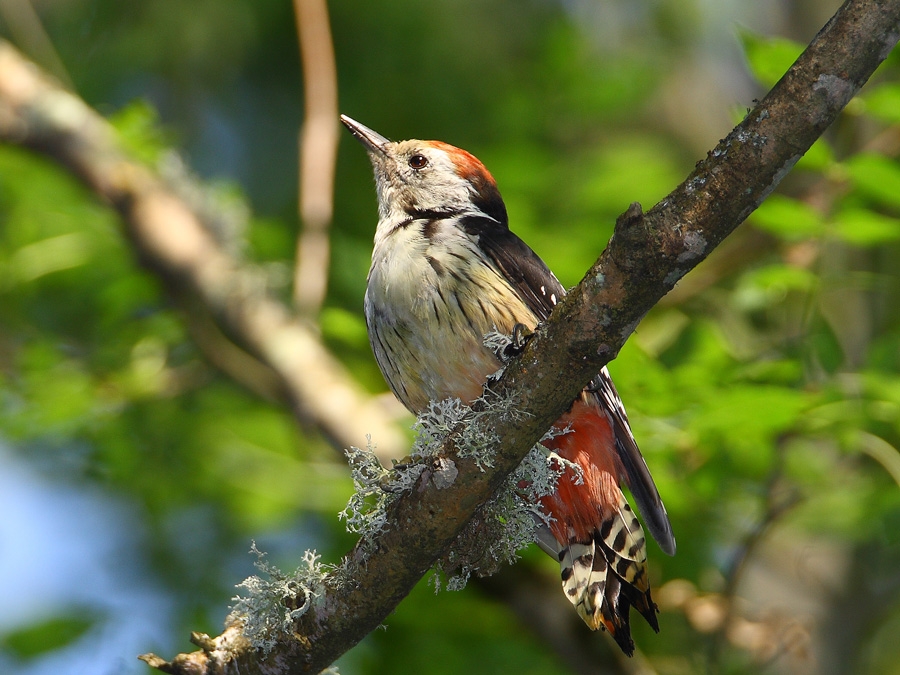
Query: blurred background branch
x=171 y=240
x=318 y=154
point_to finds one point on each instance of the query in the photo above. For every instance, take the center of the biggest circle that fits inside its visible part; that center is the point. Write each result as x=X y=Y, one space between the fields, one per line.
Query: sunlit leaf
x=865 y=227
x=341 y=325
x=883 y=102
x=788 y=218
x=819 y=157
x=769 y=57
x=745 y=420
x=767 y=285
x=47 y=635
x=628 y=170
x=780 y=278
x=47 y=256
x=140 y=131
x=876 y=176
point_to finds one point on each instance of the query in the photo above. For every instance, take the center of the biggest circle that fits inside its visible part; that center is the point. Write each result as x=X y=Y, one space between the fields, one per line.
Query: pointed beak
x=372 y=140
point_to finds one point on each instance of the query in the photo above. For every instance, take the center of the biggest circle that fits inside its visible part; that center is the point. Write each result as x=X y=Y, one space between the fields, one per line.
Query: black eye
x=418 y=162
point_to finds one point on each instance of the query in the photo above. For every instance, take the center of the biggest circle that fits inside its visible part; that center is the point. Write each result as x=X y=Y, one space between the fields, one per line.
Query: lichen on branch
x=272 y=603
x=504 y=525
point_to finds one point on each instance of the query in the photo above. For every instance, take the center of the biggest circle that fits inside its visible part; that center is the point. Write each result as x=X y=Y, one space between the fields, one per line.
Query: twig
x=778 y=505
x=318 y=154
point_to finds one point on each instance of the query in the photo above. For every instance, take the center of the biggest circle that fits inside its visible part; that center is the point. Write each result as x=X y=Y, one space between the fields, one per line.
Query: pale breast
x=432 y=295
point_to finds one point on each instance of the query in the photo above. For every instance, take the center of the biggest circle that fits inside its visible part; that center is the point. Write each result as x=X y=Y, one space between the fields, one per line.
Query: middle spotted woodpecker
x=446 y=270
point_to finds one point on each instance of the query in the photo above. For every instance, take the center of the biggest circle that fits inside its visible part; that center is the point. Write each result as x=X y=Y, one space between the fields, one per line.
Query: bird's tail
x=606 y=574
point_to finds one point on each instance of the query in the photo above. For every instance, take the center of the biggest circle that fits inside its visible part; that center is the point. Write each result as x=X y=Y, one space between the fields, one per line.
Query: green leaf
x=883 y=102
x=788 y=218
x=863 y=227
x=818 y=158
x=780 y=278
x=769 y=285
x=769 y=57
x=48 y=635
x=876 y=176
x=49 y=255
x=140 y=132
x=346 y=327
x=745 y=420
x=632 y=168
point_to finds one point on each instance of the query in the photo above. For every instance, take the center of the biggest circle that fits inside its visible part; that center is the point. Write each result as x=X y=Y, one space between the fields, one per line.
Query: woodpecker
x=446 y=270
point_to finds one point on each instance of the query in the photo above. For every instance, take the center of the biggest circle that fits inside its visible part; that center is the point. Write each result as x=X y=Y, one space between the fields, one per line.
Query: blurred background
x=764 y=390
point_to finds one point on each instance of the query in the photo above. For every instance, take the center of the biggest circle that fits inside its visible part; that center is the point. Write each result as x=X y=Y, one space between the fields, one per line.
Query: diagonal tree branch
x=647 y=255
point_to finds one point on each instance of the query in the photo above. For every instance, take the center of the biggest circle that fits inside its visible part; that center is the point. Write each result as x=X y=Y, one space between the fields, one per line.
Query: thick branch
x=36 y=113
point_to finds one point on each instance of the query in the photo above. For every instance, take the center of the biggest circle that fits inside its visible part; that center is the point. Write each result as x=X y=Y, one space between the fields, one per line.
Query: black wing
x=637 y=475
x=540 y=291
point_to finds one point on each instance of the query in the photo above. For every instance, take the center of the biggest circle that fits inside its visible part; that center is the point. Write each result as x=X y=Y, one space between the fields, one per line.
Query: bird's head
x=427 y=179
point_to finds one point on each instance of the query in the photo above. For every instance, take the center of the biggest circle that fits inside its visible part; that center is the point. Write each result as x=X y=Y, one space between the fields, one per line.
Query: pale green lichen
x=376 y=487
x=500 y=344
x=507 y=522
x=365 y=513
x=477 y=441
x=500 y=528
x=272 y=605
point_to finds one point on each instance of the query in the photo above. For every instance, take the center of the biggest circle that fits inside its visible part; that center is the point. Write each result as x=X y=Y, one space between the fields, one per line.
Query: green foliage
x=506 y=523
x=438 y=634
x=788 y=218
x=864 y=227
x=877 y=177
x=769 y=57
x=57 y=632
x=883 y=102
x=139 y=131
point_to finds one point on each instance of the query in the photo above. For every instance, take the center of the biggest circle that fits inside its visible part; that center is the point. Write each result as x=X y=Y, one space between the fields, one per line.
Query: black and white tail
x=606 y=575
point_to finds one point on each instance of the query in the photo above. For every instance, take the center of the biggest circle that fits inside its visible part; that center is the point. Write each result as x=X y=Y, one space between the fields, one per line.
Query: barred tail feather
x=607 y=575
x=576 y=563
